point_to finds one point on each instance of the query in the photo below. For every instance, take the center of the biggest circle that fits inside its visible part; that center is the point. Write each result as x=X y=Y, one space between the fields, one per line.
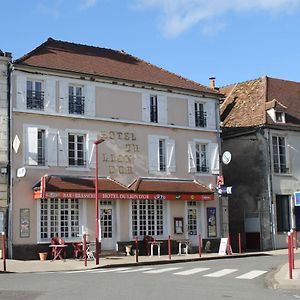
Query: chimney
x=212 y=82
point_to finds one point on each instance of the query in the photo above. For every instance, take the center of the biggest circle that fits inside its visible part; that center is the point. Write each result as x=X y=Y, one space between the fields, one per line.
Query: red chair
x=57 y=241
x=77 y=251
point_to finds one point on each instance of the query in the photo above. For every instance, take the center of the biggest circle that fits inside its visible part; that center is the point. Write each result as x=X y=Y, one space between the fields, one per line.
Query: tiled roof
x=96 y=61
x=246 y=103
x=148 y=185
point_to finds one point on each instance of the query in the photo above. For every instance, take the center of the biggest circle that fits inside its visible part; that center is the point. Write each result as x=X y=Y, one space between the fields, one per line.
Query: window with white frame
x=161 y=154
x=35 y=95
x=200 y=115
x=279 y=155
x=76 y=100
x=153 y=109
x=201 y=158
x=35 y=146
x=147 y=217
x=77 y=149
x=59 y=217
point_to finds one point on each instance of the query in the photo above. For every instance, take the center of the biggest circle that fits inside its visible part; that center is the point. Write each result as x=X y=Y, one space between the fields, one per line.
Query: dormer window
x=279 y=117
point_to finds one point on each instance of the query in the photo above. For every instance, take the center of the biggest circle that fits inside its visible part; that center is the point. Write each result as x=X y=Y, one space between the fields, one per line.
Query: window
x=41 y=147
x=147 y=217
x=283 y=212
x=162 y=155
x=35 y=95
x=35 y=146
x=59 y=217
x=279 y=155
x=76 y=143
x=76 y=100
x=200 y=115
x=153 y=109
x=201 y=158
x=279 y=117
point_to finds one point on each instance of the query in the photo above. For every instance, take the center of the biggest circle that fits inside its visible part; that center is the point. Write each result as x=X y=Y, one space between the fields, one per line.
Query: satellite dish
x=21 y=172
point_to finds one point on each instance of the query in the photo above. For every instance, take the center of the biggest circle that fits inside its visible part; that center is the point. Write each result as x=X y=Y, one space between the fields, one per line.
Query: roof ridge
x=242 y=82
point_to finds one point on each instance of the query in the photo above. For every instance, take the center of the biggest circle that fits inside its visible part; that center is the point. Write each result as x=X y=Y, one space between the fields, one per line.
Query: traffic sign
x=223 y=190
x=297 y=198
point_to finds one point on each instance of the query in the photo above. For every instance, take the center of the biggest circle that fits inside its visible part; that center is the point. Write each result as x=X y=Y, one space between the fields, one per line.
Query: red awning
x=61 y=186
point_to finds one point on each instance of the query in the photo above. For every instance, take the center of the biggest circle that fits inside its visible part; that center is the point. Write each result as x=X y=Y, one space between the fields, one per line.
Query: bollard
x=84 y=250
x=229 y=252
x=136 y=250
x=199 y=245
x=169 y=247
x=290 y=255
x=240 y=243
x=3 y=251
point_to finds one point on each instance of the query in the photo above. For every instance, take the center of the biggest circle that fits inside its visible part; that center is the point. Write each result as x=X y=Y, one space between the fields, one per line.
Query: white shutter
x=89 y=103
x=162 y=109
x=171 y=162
x=210 y=108
x=146 y=107
x=32 y=146
x=153 y=153
x=191 y=112
x=63 y=149
x=52 y=147
x=63 y=97
x=92 y=136
x=192 y=157
x=21 y=91
x=214 y=158
x=50 y=95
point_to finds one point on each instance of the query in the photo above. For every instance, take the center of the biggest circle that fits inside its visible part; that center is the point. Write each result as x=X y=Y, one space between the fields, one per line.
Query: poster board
x=223 y=246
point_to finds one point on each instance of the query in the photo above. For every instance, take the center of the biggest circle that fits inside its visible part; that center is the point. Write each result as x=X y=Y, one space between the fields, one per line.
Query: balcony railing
x=202 y=169
x=76 y=105
x=200 y=119
x=35 y=100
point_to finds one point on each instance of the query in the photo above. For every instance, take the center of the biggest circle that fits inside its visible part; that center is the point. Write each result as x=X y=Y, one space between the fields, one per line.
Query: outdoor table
x=58 y=251
x=185 y=243
x=157 y=244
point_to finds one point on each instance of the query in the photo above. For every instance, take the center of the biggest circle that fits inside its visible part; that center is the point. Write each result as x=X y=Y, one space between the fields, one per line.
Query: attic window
x=279 y=117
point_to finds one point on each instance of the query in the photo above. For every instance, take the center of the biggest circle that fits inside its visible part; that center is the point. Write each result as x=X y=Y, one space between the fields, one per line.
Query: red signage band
x=126 y=196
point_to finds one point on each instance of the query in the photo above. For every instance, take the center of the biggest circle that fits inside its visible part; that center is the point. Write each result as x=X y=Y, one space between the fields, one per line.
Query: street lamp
x=96 y=143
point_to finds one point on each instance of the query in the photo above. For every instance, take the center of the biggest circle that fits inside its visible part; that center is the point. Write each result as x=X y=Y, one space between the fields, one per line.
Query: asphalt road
x=239 y=278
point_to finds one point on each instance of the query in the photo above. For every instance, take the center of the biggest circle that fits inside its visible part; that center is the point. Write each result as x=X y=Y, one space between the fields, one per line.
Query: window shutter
x=63 y=149
x=153 y=153
x=171 y=162
x=210 y=108
x=52 y=147
x=192 y=157
x=50 y=96
x=63 y=97
x=92 y=136
x=21 y=91
x=32 y=147
x=162 y=109
x=146 y=107
x=191 y=112
x=214 y=158
x=89 y=103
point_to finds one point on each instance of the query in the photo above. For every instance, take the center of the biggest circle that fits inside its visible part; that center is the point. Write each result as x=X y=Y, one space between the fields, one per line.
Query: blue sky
x=233 y=40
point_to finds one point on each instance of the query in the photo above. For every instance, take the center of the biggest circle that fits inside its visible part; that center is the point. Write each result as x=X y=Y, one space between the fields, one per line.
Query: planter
x=43 y=255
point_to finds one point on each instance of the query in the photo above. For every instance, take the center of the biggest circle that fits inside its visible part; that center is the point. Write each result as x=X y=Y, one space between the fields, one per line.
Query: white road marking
x=191 y=271
x=221 y=273
x=111 y=270
x=136 y=270
x=251 y=274
x=161 y=270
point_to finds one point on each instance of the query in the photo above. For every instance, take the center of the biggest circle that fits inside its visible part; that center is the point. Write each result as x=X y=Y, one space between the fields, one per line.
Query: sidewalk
x=276 y=279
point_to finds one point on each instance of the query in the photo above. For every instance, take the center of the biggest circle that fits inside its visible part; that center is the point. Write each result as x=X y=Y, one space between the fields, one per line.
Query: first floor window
x=59 y=217
x=162 y=155
x=279 y=155
x=147 y=217
x=201 y=158
x=76 y=143
x=41 y=147
x=283 y=212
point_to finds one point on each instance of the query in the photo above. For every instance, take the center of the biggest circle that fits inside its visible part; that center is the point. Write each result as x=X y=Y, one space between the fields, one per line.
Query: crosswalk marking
x=191 y=271
x=221 y=273
x=161 y=270
x=136 y=270
x=251 y=275
x=111 y=270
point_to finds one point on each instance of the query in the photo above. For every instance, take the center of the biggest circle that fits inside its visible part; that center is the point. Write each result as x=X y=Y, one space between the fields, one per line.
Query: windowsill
x=80 y=169
x=48 y=241
x=283 y=174
x=36 y=167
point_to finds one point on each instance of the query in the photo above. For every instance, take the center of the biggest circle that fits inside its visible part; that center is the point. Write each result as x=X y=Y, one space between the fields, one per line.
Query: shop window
x=59 y=217
x=147 y=217
x=283 y=213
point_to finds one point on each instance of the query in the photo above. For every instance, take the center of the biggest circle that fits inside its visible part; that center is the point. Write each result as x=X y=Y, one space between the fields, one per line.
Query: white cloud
x=178 y=16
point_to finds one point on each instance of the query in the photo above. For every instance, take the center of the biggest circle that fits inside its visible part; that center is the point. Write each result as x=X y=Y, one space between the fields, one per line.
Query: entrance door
x=193 y=222
x=107 y=225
